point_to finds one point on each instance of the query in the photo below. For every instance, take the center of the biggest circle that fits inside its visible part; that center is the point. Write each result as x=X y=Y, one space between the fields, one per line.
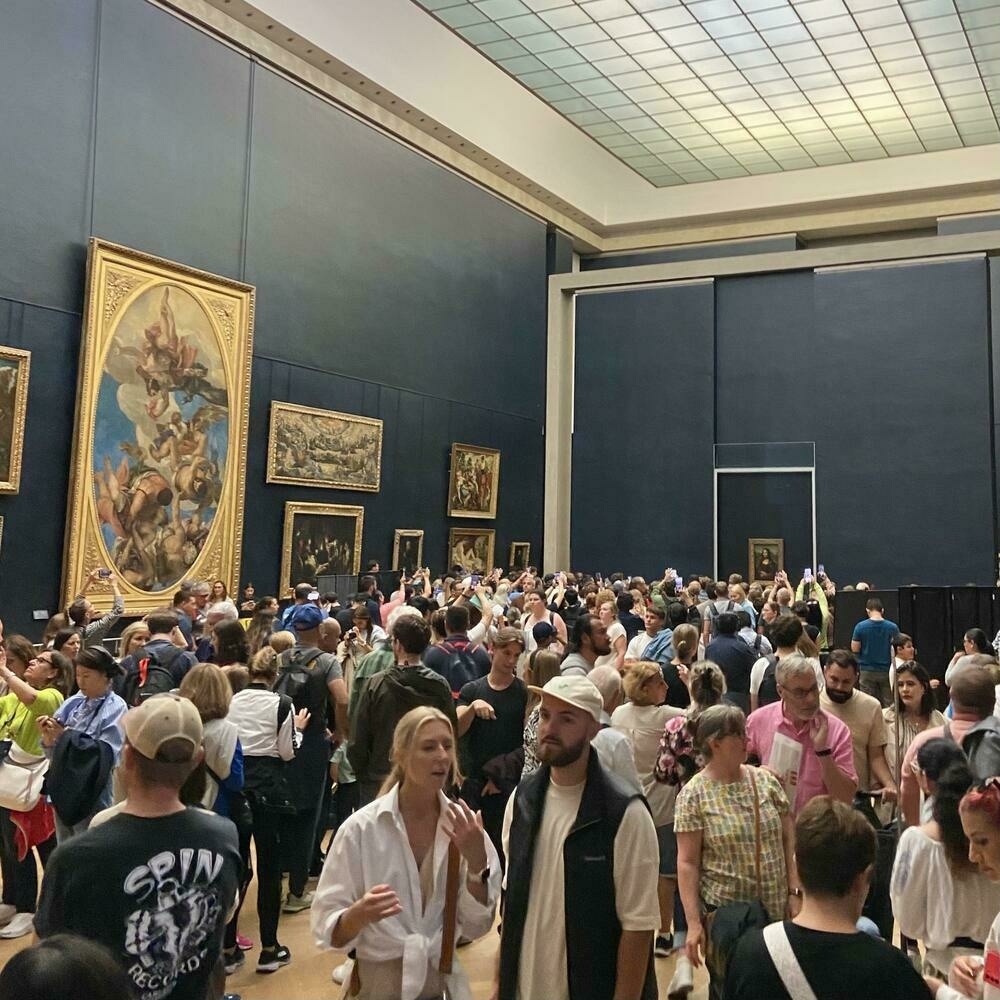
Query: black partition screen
x=764 y=505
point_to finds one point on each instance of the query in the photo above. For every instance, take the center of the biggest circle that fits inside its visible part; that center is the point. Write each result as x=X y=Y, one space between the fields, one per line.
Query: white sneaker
x=7 y=913
x=342 y=972
x=19 y=925
x=682 y=982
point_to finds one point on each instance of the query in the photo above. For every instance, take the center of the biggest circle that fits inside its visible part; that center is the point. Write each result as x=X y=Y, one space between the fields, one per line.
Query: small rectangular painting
x=14 y=366
x=474 y=481
x=309 y=447
x=408 y=550
x=520 y=554
x=320 y=540
x=766 y=556
x=472 y=549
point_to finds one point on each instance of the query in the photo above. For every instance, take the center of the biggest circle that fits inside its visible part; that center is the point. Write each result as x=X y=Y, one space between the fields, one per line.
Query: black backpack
x=461 y=668
x=767 y=693
x=714 y=612
x=294 y=673
x=981 y=747
x=150 y=676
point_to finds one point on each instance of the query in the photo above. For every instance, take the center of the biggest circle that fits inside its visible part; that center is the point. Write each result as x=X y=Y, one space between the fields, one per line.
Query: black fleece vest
x=592 y=927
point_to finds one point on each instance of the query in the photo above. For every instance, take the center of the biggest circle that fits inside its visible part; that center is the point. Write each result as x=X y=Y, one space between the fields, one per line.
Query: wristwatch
x=824 y=753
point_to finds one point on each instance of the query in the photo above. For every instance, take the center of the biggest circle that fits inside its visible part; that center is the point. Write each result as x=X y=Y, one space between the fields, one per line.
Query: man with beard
x=582 y=859
x=587 y=641
x=862 y=714
x=808 y=749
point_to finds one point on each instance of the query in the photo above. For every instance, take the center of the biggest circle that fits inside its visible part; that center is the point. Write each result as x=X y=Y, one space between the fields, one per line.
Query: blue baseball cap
x=305 y=617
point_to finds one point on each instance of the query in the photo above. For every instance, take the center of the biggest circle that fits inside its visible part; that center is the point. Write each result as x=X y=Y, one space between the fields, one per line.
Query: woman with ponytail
x=938 y=896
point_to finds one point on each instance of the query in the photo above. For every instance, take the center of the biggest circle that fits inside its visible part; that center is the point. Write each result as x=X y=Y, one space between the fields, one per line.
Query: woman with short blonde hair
x=367 y=874
x=133 y=638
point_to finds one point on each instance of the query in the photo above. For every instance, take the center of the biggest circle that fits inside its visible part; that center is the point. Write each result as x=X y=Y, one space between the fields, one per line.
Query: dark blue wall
x=386 y=285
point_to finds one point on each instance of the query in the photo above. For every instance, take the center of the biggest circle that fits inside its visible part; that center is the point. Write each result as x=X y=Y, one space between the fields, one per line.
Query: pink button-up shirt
x=762 y=726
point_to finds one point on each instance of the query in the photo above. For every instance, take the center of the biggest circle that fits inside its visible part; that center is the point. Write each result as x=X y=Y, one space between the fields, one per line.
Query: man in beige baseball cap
x=165 y=728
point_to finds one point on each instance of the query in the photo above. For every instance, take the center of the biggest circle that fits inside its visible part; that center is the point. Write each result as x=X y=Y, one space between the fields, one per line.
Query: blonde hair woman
x=133 y=638
x=643 y=721
x=409 y=839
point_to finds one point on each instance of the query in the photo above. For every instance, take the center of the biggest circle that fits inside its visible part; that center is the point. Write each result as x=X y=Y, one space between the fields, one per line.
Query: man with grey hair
x=201 y=591
x=614 y=749
x=222 y=611
x=808 y=749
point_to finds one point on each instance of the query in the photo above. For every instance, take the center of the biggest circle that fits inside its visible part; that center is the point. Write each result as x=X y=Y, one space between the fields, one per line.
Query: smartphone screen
x=807 y=574
x=679 y=584
x=820 y=571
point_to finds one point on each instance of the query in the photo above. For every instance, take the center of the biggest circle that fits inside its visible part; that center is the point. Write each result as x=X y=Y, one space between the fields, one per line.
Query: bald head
x=608 y=681
x=329 y=635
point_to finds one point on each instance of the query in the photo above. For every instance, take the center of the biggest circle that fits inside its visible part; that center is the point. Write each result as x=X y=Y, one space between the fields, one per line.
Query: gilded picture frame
x=474 y=481
x=15 y=369
x=765 y=557
x=520 y=556
x=408 y=550
x=311 y=447
x=159 y=459
x=320 y=539
x=472 y=549
x=1 y=535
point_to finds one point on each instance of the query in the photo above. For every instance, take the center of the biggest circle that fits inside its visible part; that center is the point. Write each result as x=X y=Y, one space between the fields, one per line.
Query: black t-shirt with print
x=155 y=891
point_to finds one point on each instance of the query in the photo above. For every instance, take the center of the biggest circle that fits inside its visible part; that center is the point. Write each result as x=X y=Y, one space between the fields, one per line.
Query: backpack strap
x=789 y=971
x=285 y=706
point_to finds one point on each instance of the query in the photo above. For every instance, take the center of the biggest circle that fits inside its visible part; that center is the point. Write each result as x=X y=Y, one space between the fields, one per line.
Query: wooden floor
x=308 y=975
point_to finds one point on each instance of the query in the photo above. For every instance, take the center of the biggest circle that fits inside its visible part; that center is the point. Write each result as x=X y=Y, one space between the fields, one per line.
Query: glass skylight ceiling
x=695 y=90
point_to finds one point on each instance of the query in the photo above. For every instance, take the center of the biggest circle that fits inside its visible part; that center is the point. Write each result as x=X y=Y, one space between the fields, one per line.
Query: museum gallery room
x=368 y=298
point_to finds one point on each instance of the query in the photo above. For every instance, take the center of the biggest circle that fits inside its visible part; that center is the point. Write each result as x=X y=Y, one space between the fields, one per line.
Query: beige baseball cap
x=162 y=718
x=580 y=692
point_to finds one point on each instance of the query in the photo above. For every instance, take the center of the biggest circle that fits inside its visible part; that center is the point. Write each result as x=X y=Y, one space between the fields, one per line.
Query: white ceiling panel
x=691 y=90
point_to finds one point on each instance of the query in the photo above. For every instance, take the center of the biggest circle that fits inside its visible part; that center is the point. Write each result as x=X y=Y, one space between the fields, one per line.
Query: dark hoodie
x=387 y=697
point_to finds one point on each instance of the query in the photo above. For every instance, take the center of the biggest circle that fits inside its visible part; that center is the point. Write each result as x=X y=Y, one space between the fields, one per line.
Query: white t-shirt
x=615 y=752
x=637 y=646
x=543 y=945
x=757 y=674
x=615 y=631
x=643 y=726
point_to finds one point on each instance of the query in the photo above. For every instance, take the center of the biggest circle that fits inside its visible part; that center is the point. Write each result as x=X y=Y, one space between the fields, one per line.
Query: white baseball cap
x=580 y=692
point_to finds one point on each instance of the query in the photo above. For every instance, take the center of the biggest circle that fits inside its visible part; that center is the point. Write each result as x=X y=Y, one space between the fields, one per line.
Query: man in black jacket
x=582 y=860
x=387 y=697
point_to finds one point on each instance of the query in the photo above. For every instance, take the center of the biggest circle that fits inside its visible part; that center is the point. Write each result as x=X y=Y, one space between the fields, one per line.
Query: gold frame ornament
x=473 y=535
x=473 y=496
x=159 y=455
x=775 y=548
x=512 y=563
x=18 y=412
x=339 y=423
x=294 y=508
x=402 y=533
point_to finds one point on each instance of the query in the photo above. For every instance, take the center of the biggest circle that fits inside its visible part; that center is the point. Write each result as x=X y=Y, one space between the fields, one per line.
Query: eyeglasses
x=800 y=693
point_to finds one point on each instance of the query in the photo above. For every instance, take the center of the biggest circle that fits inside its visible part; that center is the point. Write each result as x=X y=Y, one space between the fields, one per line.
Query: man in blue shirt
x=872 y=642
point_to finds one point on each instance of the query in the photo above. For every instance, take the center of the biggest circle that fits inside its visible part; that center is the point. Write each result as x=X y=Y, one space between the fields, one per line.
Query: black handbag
x=725 y=925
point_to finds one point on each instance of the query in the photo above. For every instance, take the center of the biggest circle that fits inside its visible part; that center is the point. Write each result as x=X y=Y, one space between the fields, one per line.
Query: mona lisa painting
x=766 y=557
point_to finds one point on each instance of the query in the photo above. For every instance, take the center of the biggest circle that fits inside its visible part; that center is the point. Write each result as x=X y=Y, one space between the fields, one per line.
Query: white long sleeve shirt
x=254 y=712
x=372 y=848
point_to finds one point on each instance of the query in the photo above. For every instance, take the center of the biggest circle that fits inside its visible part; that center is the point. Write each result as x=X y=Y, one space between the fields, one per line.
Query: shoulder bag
x=725 y=925
x=21 y=774
x=789 y=971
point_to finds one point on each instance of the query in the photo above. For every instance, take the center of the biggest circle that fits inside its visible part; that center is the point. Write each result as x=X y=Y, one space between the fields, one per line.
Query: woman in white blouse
x=938 y=897
x=383 y=888
x=617 y=640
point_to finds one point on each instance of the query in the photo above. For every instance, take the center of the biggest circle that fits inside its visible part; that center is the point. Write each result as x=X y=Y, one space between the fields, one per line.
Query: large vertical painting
x=765 y=558
x=309 y=447
x=474 y=482
x=14 y=369
x=320 y=539
x=160 y=446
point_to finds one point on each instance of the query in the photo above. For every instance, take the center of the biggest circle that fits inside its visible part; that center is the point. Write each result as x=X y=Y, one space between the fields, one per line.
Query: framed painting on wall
x=159 y=455
x=520 y=555
x=765 y=556
x=408 y=550
x=474 y=481
x=14 y=371
x=472 y=549
x=309 y=447
x=320 y=539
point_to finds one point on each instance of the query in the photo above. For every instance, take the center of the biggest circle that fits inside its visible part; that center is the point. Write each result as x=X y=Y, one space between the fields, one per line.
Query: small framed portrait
x=14 y=366
x=472 y=549
x=309 y=447
x=474 y=481
x=520 y=556
x=408 y=550
x=320 y=539
x=766 y=556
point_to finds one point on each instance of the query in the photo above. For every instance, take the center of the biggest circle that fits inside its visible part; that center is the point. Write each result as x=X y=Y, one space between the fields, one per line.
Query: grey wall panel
x=643 y=431
x=699 y=251
x=172 y=129
x=904 y=480
x=32 y=546
x=383 y=266
x=46 y=97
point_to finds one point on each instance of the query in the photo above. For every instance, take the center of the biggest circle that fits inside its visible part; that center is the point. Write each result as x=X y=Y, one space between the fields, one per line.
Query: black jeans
x=23 y=874
x=268 y=830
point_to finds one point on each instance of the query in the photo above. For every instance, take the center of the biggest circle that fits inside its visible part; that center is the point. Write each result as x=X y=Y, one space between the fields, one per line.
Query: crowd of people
x=638 y=778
